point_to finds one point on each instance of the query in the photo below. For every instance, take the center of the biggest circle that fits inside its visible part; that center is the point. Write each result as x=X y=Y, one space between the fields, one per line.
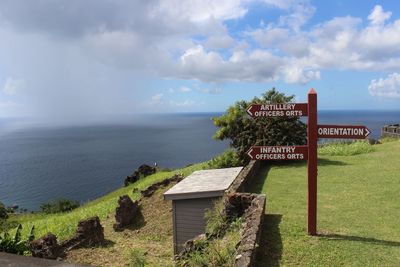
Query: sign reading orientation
x=278 y=110
x=343 y=131
x=308 y=152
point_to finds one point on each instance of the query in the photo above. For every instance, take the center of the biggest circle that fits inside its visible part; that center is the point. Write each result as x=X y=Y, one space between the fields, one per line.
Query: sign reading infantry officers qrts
x=278 y=152
x=309 y=152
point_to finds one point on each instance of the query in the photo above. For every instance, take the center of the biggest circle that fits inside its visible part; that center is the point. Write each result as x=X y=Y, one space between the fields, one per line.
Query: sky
x=72 y=60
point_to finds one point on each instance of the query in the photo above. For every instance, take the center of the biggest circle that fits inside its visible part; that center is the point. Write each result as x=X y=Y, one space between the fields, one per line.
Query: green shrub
x=217 y=222
x=6 y=225
x=244 y=132
x=15 y=244
x=229 y=158
x=217 y=252
x=60 y=205
x=388 y=139
x=345 y=149
x=3 y=211
x=136 y=258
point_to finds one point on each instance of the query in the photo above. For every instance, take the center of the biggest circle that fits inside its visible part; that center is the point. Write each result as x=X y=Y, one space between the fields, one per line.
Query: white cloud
x=378 y=16
x=223 y=41
x=184 y=89
x=297 y=74
x=202 y=10
x=13 y=86
x=209 y=66
x=388 y=87
x=186 y=103
x=212 y=91
x=156 y=99
x=300 y=11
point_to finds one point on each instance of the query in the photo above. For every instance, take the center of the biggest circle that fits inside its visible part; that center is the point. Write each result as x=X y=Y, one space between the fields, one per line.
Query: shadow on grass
x=327 y=162
x=270 y=250
x=360 y=239
x=107 y=244
x=257 y=183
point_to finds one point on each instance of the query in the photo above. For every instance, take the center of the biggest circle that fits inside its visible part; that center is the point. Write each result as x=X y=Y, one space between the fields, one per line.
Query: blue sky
x=71 y=59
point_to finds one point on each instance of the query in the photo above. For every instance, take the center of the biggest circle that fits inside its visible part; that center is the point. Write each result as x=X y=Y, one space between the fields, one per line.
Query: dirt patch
x=151 y=234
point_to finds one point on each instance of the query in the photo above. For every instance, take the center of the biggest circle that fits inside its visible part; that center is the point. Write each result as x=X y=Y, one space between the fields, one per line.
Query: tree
x=243 y=131
x=3 y=211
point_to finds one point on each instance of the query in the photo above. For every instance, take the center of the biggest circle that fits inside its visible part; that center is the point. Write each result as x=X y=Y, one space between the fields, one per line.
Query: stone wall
x=245 y=177
x=251 y=232
x=236 y=198
x=391 y=131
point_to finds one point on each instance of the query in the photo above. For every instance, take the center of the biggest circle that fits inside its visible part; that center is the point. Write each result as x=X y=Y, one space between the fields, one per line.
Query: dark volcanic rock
x=125 y=213
x=89 y=233
x=46 y=247
x=146 y=170
x=149 y=191
x=132 y=178
x=143 y=171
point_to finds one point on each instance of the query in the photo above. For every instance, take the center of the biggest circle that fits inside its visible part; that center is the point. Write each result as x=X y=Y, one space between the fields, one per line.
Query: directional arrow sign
x=278 y=152
x=343 y=131
x=278 y=110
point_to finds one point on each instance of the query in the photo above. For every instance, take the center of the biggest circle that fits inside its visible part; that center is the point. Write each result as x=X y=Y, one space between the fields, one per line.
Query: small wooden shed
x=192 y=197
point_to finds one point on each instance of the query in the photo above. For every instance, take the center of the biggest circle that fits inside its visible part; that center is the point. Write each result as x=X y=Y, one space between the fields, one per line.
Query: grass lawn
x=64 y=225
x=358 y=211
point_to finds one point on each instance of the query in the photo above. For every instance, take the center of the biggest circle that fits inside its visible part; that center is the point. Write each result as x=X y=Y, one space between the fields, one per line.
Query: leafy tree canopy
x=243 y=131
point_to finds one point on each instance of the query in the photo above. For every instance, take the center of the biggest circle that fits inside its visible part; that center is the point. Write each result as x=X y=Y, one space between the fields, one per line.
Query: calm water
x=84 y=162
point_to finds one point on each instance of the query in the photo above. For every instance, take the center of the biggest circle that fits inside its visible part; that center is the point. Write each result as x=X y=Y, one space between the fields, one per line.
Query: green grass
x=345 y=149
x=64 y=225
x=358 y=211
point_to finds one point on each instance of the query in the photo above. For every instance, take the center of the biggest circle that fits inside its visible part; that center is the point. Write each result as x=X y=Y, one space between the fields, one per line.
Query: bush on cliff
x=60 y=205
x=244 y=131
x=3 y=211
x=229 y=158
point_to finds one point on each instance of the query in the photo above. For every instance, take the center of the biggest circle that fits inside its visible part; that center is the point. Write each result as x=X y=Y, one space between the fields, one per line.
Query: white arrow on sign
x=249 y=153
x=248 y=110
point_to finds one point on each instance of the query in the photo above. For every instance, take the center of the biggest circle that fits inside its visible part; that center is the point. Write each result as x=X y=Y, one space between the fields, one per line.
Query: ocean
x=40 y=164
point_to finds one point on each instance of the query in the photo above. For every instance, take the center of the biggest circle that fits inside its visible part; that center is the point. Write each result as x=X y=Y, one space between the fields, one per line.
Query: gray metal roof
x=205 y=183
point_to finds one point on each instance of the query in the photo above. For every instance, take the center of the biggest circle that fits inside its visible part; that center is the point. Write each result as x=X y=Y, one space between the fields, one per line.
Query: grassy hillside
x=64 y=225
x=358 y=211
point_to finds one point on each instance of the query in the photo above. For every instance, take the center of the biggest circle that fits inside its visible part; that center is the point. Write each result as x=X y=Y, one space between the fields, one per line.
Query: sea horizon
x=86 y=161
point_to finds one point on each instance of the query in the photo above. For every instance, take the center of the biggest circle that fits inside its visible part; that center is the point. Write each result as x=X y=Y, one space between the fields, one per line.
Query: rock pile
x=46 y=247
x=125 y=213
x=89 y=233
x=149 y=191
x=143 y=171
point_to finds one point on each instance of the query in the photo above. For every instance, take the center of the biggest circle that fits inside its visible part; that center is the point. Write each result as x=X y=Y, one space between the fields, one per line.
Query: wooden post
x=312 y=162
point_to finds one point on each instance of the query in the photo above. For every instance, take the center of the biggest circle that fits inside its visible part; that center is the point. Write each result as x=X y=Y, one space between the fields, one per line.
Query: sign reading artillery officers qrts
x=278 y=110
x=308 y=152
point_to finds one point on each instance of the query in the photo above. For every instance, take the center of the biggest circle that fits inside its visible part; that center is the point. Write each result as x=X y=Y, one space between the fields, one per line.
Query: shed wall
x=189 y=219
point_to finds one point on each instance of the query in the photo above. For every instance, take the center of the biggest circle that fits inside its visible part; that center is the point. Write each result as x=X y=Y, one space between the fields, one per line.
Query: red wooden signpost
x=309 y=152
